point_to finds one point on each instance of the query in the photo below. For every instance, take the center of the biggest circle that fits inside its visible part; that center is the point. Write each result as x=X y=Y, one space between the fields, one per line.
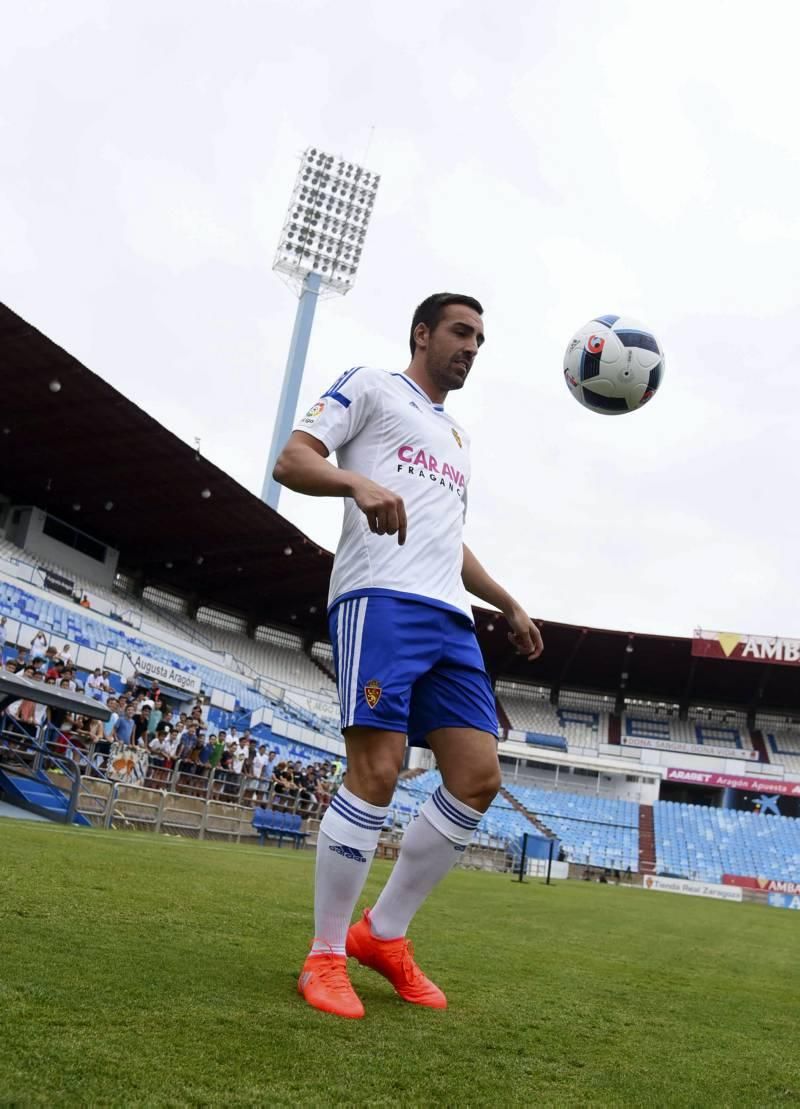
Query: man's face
x=452 y=346
x=129 y=710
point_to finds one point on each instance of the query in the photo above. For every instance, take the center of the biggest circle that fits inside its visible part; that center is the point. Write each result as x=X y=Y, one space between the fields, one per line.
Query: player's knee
x=372 y=780
x=488 y=789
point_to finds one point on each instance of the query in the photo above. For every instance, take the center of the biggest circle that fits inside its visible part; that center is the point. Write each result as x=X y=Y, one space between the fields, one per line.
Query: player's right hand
x=384 y=510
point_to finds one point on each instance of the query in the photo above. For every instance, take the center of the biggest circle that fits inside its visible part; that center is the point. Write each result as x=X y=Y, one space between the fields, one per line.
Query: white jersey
x=383 y=425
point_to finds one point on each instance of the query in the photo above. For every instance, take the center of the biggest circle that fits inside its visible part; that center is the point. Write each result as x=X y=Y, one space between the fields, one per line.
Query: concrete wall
x=28 y=533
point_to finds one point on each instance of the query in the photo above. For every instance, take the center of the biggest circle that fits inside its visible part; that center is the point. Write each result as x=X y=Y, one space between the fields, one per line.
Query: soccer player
x=407 y=659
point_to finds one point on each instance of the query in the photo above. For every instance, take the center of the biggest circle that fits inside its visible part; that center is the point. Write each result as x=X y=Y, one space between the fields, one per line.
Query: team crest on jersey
x=457 y=437
x=372 y=692
x=314 y=413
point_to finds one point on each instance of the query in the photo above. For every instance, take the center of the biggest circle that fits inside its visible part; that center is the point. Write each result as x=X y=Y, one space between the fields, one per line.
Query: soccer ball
x=613 y=365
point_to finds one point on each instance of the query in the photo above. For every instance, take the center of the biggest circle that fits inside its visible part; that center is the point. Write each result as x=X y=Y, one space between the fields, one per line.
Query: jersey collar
x=413 y=385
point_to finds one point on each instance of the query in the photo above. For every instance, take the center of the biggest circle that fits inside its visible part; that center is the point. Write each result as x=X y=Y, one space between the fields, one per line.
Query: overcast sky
x=556 y=160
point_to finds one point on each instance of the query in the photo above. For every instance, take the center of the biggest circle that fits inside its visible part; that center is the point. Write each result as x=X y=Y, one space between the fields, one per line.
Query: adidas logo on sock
x=349 y=853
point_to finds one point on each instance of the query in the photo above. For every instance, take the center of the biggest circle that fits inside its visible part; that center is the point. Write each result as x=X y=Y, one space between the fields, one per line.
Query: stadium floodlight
x=319 y=251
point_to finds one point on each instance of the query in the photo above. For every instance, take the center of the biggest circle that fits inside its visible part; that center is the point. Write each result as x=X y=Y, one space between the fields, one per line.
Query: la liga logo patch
x=314 y=413
x=372 y=692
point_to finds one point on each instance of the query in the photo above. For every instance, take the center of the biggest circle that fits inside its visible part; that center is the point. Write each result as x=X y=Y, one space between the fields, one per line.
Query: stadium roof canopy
x=88 y=445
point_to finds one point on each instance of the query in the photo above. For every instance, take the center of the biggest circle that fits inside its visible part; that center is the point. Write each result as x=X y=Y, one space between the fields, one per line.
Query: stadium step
x=38 y=795
x=647 y=840
x=525 y=812
x=325 y=670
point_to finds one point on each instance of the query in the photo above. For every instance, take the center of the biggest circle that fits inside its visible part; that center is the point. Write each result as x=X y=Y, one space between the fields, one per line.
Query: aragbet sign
x=733 y=781
x=746 y=648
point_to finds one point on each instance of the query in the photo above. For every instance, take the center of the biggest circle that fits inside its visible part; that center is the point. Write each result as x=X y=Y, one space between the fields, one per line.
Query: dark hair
x=430 y=311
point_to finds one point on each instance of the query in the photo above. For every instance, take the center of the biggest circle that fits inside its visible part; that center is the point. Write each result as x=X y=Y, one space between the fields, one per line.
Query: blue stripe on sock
x=456 y=813
x=453 y=820
x=353 y=820
x=354 y=811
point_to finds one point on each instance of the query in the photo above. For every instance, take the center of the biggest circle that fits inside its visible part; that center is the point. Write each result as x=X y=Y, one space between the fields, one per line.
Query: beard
x=446 y=375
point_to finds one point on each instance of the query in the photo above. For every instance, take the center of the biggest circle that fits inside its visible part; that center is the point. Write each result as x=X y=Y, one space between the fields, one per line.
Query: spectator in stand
x=147 y=701
x=239 y=756
x=257 y=763
x=227 y=777
x=22 y=656
x=124 y=727
x=206 y=751
x=166 y=717
x=187 y=744
x=85 y=602
x=155 y=717
x=66 y=654
x=219 y=747
x=28 y=714
x=68 y=676
x=59 y=717
x=94 y=684
x=39 y=645
x=169 y=745
x=140 y=719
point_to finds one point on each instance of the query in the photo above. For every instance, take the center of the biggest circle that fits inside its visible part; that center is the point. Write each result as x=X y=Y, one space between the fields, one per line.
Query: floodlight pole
x=295 y=364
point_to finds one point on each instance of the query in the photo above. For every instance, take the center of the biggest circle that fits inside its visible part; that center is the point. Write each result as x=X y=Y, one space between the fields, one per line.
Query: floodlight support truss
x=295 y=364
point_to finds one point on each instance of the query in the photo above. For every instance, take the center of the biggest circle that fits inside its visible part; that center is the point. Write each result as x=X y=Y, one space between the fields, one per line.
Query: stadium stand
x=782 y=739
x=716 y=732
x=127 y=629
x=595 y=831
x=577 y=725
x=695 y=841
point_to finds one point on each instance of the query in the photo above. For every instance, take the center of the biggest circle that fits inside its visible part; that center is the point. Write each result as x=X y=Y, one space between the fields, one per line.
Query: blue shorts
x=411 y=667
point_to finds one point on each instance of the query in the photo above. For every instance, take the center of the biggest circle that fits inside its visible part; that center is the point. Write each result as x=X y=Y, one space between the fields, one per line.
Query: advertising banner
x=766 y=885
x=692 y=889
x=784 y=901
x=57 y=583
x=733 y=781
x=179 y=679
x=687 y=748
x=746 y=648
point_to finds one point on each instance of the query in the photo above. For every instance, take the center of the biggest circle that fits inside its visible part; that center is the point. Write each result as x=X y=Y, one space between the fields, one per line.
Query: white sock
x=348 y=837
x=433 y=843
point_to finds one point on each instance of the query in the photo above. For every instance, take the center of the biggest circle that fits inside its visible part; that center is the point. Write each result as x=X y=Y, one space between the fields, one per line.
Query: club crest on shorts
x=457 y=437
x=372 y=692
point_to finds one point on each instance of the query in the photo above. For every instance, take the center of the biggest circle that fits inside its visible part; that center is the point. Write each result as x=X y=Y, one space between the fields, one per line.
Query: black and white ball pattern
x=613 y=365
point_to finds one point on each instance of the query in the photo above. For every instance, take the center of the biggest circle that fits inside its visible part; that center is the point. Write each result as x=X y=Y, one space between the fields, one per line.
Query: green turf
x=145 y=970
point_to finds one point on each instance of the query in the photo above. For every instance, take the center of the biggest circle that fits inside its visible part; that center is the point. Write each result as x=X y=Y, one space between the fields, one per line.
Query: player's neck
x=420 y=377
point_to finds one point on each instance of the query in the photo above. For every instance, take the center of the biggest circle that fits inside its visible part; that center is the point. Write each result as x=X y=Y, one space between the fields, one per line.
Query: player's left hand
x=524 y=635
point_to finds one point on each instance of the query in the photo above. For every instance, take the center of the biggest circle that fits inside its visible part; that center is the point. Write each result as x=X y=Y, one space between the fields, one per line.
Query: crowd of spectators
x=183 y=749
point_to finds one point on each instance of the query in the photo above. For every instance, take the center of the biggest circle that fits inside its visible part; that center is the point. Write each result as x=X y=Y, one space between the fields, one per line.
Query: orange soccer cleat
x=394 y=959
x=323 y=982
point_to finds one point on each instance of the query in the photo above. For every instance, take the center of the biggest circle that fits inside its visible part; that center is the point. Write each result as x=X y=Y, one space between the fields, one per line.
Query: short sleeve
x=343 y=410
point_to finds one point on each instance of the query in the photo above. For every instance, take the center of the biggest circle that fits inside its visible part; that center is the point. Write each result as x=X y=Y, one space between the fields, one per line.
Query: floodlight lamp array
x=327 y=220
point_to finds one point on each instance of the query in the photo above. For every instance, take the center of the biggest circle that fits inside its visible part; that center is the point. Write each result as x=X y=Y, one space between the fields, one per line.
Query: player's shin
x=348 y=838
x=432 y=845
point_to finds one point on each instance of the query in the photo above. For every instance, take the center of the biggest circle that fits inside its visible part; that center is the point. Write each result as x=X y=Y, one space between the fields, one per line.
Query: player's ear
x=421 y=333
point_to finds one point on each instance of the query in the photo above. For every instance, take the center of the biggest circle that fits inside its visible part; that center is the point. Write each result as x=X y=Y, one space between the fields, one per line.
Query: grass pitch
x=145 y=970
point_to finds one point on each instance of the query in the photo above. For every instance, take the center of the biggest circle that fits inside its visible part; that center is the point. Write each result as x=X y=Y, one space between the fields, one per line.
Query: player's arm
x=524 y=634
x=304 y=467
